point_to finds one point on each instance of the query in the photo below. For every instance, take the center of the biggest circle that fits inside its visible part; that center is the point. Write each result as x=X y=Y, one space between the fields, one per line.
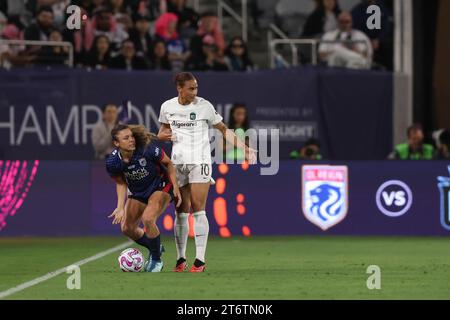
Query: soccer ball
x=131 y=260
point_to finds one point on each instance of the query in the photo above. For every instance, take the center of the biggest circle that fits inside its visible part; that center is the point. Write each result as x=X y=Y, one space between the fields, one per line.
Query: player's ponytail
x=142 y=136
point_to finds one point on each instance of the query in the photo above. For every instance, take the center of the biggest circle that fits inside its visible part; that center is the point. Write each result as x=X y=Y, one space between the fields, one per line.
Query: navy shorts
x=165 y=186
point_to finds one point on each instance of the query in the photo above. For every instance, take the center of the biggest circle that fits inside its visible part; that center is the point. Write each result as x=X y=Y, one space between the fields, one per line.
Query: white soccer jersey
x=190 y=124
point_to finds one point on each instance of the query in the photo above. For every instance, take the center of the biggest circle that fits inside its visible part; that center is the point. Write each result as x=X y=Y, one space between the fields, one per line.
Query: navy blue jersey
x=144 y=174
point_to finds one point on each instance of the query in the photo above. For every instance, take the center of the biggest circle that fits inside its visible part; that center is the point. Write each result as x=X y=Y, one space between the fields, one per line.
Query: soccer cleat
x=198 y=266
x=197 y=269
x=181 y=267
x=154 y=266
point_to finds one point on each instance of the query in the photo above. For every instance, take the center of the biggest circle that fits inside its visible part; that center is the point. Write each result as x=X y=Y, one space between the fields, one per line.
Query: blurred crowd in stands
x=169 y=35
x=120 y=34
x=361 y=47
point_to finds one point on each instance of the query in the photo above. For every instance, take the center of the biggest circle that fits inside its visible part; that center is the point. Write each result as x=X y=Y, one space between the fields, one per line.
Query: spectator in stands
x=309 y=151
x=442 y=140
x=159 y=59
x=415 y=148
x=91 y=6
x=19 y=12
x=187 y=18
x=210 y=58
x=238 y=121
x=166 y=29
x=140 y=35
x=120 y=14
x=13 y=55
x=53 y=55
x=100 y=55
x=127 y=59
x=149 y=8
x=101 y=133
x=208 y=25
x=82 y=39
x=382 y=39
x=40 y=30
x=59 y=11
x=355 y=55
x=236 y=56
x=105 y=24
x=323 y=19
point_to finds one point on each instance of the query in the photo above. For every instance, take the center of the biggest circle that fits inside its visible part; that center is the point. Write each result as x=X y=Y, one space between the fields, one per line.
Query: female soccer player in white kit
x=185 y=120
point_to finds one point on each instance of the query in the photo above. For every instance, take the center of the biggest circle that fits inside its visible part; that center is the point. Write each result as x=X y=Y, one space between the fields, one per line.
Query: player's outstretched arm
x=230 y=137
x=173 y=177
x=121 y=189
x=165 y=133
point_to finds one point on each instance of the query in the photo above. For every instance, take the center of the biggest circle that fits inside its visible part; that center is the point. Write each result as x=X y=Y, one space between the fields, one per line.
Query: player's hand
x=118 y=215
x=251 y=155
x=177 y=196
x=167 y=136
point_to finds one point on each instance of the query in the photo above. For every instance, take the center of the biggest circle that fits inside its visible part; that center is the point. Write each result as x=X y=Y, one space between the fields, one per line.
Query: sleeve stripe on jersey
x=162 y=155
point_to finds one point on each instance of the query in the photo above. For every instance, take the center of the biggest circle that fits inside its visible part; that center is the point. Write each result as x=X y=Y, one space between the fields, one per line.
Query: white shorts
x=193 y=173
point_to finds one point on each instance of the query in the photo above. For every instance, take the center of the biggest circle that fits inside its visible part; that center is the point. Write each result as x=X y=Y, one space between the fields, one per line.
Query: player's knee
x=198 y=206
x=183 y=208
x=127 y=229
x=149 y=221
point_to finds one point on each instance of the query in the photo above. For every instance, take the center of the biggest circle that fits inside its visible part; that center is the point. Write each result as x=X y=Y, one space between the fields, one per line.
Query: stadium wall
x=49 y=114
x=73 y=198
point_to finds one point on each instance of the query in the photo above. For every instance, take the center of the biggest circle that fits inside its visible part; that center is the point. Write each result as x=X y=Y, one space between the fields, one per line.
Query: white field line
x=55 y=273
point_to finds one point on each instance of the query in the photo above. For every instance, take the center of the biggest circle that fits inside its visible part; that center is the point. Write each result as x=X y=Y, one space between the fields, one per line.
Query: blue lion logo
x=326 y=201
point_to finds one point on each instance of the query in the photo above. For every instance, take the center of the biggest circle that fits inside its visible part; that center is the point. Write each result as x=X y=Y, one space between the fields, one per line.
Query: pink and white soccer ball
x=131 y=260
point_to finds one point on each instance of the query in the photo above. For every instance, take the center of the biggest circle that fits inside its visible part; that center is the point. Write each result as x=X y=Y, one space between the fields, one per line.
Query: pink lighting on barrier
x=16 y=178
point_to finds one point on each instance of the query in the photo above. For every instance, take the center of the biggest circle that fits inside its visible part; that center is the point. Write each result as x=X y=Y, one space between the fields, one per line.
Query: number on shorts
x=205 y=169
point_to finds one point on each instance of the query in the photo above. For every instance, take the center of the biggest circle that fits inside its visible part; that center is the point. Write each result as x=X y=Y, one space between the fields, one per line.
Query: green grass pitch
x=237 y=268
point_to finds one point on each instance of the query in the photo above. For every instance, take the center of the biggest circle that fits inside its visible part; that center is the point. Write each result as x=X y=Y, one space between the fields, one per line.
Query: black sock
x=198 y=263
x=145 y=242
x=180 y=261
x=155 y=248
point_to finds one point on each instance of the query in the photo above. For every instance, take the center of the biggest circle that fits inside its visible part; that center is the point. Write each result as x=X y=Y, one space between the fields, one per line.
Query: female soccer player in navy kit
x=144 y=169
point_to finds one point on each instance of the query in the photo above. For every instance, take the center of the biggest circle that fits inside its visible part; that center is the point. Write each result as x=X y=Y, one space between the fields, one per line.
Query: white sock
x=181 y=231
x=201 y=230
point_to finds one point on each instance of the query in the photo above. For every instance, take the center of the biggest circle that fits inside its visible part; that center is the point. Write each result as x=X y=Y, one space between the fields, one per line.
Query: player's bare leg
x=199 y=194
x=157 y=203
x=181 y=228
x=130 y=225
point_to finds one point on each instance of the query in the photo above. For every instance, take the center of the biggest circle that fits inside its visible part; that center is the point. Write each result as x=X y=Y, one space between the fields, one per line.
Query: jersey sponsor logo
x=137 y=174
x=192 y=116
x=394 y=198
x=325 y=194
x=180 y=124
x=142 y=162
x=444 y=188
